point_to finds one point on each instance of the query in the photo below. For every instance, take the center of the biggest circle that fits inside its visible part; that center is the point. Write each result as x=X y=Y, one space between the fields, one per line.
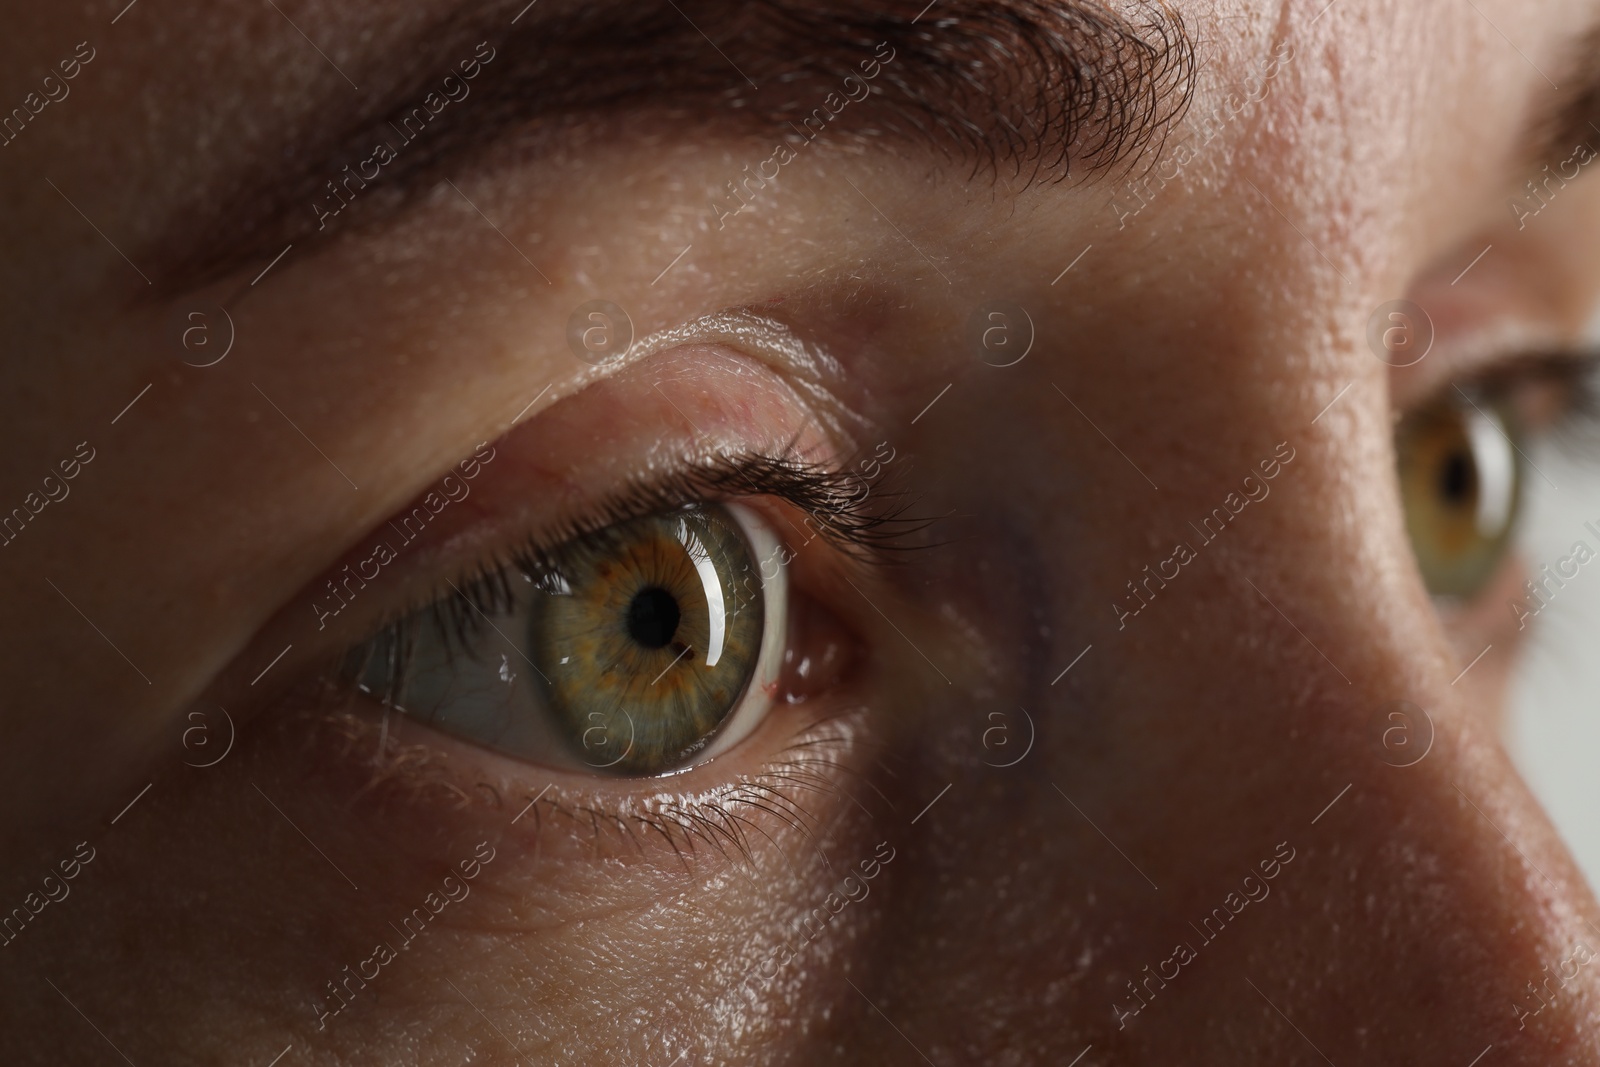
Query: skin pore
x=726 y=914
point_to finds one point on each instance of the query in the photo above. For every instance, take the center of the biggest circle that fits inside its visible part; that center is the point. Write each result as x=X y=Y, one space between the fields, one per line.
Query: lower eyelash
x=726 y=818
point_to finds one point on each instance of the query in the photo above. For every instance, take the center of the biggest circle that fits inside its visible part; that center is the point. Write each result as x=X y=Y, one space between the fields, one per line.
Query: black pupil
x=1456 y=479
x=653 y=617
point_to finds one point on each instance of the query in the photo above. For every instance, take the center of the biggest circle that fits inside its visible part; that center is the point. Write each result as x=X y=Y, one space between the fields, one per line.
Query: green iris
x=646 y=638
x=1461 y=484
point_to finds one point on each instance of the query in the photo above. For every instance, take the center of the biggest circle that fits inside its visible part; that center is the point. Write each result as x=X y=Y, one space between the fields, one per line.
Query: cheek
x=569 y=909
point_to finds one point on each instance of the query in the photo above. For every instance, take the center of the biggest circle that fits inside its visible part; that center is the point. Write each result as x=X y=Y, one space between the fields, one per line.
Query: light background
x=1554 y=726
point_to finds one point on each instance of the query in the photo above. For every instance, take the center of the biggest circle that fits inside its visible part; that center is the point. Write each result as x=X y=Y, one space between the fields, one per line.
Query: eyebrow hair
x=1570 y=113
x=1036 y=86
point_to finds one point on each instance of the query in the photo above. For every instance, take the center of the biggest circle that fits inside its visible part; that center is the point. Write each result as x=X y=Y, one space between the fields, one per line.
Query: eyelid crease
x=804 y=365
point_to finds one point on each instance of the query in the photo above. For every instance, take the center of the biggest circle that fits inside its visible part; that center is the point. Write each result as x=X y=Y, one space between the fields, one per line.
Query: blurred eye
x=1461 y=475
x=637 y=649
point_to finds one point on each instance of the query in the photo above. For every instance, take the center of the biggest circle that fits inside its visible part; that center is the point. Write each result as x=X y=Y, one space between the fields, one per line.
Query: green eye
x=633 y=650
x=647 y=638
x=1461 y=476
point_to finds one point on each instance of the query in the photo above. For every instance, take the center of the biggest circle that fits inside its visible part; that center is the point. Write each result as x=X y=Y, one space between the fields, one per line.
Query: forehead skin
x=1219 y=322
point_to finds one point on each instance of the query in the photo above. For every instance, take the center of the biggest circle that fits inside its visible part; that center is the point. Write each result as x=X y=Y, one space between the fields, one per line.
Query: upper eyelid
x=1498 y=362
x=761 y=337
x=844 y=520
x=548 y=487
x=1573 y=364
x=1575 y=369
x=769 y=341
x=542 y=485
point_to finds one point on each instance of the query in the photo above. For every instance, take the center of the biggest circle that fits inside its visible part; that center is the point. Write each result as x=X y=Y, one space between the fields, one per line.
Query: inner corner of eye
x=642 y=649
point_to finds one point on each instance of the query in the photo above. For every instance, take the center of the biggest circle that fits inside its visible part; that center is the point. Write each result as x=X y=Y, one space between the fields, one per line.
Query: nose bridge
x=1434 y=892
x=1265 y=803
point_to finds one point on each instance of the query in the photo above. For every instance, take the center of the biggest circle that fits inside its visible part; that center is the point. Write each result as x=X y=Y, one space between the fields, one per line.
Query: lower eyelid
x=418 y=785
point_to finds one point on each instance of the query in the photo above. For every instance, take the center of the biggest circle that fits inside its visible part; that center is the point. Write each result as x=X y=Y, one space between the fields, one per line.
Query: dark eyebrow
x=1039 y=87
x=1570 y=114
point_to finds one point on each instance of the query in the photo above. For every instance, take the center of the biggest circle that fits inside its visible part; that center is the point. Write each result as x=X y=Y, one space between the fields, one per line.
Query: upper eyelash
x=1576 y=371
x=1579 y=372
x=865 y=525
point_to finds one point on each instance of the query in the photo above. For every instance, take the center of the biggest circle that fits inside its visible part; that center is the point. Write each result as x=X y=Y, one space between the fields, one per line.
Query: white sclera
x=766 y=552
x=1497 y=472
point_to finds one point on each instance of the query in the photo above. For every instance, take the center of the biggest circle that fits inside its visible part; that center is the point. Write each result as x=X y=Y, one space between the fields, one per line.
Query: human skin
x=1173 y=758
